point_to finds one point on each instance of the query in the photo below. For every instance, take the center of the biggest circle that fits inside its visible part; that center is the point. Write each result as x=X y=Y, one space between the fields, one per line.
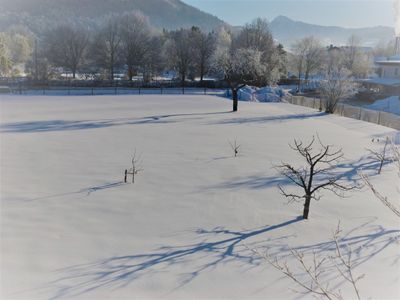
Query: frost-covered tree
x=136 y=34
x=15 y=49
x=238 y=68
x=337 y=85
x=66 y=47
x=356 y=61
x=5 y=60
x=257 y=36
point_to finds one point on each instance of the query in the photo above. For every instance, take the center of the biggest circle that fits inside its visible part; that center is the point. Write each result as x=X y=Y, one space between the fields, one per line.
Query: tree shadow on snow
x=64 y=125
x=86 y=191
x=265 y=119
x=346 y=171
x=218 y=246
x=118 y=272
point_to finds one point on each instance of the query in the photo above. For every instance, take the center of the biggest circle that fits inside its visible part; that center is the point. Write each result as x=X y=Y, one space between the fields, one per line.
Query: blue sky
x=346 y=13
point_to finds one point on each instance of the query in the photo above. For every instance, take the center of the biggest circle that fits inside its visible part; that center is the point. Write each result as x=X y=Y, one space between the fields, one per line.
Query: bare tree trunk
x=130 y=73
x=299 y=82
x=306 y=206
x=235 y=99
x=201 y=75
x=112 y=67
x=183 y=77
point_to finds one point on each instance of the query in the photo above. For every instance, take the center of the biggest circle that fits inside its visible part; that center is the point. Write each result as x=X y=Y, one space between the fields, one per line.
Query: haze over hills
x=40 y=15
x=286 y=31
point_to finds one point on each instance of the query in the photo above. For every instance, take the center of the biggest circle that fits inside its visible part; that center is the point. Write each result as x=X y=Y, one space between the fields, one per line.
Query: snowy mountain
x=286 y=31
x=39 y=15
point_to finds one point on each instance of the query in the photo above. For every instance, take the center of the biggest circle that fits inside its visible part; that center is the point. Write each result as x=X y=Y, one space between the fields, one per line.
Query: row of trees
x=130 y=43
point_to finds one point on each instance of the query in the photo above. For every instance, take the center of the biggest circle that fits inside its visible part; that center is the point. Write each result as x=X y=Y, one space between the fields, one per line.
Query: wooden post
x=359 y=116
x=126 y=175
x=379 y=118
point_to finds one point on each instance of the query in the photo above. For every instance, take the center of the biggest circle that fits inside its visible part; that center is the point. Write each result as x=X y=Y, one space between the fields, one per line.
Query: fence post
x=359 y=116
x=379 y=118
x=126 y=174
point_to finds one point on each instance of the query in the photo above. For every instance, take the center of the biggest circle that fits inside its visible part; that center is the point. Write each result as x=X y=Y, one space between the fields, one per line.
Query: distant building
x=389 y=68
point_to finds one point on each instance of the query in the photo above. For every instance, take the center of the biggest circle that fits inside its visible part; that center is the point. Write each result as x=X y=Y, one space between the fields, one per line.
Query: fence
x=83 y=91
x=349 y=111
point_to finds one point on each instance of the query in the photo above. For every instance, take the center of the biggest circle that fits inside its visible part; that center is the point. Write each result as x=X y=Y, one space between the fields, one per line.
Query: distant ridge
x=286 y=31
x=39 y=15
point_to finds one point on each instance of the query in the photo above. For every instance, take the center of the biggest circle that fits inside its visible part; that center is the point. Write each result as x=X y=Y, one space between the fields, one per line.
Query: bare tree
x=391 y=204
x=66 y=47
x=308 y=55
x=136 y=34
x=180 y=52
x=136 y=167
x=106 y=46
x=154 y=59
x=314 y=282
x=352 y=51
x=203 y=47
x=235 y=147
x=317 y=175
x=380 y=156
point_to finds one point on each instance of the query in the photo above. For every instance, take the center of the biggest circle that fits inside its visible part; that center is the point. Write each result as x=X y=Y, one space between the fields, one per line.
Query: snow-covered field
x=71 y=229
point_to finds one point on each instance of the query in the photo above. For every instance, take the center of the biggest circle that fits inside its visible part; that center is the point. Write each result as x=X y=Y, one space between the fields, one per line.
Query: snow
x=390 y=104
x=264 y=94
x=71 y=229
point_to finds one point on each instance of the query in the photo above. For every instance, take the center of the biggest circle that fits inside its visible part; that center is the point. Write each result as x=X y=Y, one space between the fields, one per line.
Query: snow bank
x=264 y=94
